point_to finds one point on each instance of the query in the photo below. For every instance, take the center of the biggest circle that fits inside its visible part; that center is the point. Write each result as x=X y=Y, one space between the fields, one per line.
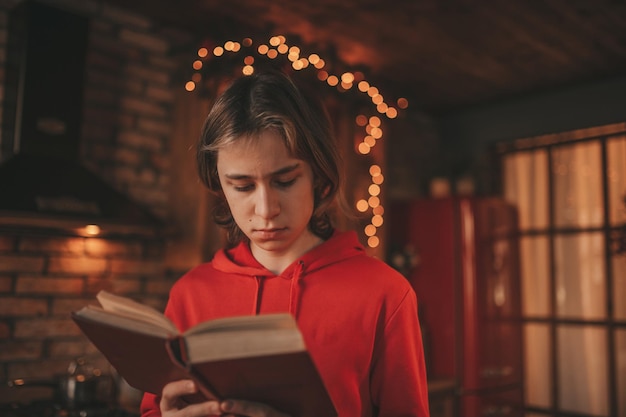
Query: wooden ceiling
x=441 y=54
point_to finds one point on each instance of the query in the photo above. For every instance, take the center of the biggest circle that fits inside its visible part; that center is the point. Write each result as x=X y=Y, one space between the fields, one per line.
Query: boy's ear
x=319 y=187
x=325 y=191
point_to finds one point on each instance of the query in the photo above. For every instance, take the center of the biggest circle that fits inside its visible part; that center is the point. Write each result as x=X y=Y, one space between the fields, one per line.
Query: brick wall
x=43 y=278
x=127 y=124
x=128 y=107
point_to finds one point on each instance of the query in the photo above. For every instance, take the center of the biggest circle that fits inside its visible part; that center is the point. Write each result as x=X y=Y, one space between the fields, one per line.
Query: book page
x=124 y=321
x=238 y=323
x=133 y=309
x=214 y=346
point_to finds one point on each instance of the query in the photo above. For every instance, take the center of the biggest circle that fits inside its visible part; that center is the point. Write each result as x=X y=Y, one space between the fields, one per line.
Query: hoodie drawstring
x=294 y=289
x=255 y=302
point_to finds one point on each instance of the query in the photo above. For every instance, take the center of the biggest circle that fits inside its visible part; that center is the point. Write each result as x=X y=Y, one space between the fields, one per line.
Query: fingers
x=170 y=398
x=249 y=409
x=209 y=408
x=172 y=405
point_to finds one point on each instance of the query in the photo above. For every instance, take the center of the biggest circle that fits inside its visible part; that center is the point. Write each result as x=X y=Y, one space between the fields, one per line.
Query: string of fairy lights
x=344 y=81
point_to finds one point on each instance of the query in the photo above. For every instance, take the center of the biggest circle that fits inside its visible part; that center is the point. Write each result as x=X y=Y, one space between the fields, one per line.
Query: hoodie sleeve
x=398 y=380
x=150 y=406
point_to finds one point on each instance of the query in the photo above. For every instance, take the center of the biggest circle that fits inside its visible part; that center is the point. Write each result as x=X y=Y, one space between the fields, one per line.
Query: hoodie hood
x=239 y=260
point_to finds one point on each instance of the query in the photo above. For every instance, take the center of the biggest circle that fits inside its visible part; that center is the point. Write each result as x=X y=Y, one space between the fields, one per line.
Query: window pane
x=537 y=376
x=582 y=370
x=526 y=186
x=619 y=286
x=577 y=174
x=580 y=280
x=616 y=172
x=535 y=268
x=620 y=350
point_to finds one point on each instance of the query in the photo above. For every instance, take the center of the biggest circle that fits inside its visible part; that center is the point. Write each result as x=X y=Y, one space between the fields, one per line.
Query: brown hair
x=270 y=100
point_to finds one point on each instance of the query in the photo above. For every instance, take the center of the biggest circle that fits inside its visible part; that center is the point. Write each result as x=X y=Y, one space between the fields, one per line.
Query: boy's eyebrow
x=281 y=171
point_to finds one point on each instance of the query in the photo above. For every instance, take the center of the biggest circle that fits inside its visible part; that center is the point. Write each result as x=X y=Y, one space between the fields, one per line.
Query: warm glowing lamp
x=92 y=230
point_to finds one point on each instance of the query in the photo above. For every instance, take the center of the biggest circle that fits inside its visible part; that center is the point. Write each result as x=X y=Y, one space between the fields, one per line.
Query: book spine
x=177 y=349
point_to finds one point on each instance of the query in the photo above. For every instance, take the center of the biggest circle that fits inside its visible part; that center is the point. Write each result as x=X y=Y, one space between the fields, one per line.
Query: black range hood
x=63 y=190
x=41 y=177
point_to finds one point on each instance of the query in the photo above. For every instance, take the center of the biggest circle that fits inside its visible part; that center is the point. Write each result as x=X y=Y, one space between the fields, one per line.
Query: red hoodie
x=357 y=315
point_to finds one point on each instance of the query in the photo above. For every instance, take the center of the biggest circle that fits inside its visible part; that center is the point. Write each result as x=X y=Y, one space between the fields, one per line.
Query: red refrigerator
x=466 y=276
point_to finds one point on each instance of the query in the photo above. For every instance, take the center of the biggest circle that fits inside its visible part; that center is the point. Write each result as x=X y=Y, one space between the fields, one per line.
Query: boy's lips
x=269 y=233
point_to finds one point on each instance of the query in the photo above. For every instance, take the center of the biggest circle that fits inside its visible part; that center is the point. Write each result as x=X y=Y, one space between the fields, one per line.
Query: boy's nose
x=267 y=205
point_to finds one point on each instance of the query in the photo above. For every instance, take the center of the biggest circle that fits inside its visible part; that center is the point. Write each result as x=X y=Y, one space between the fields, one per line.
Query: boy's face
x=270 y=195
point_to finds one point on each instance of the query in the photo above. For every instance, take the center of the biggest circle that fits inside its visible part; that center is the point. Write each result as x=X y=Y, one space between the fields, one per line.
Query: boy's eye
x=243 y=188
x=285 y=184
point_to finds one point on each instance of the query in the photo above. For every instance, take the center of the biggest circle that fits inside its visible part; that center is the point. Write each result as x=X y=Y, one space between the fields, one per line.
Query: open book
x=259 y=358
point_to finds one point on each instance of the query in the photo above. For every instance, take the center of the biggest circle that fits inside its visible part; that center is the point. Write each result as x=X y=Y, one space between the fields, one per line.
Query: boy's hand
x=232 y=408
x=172 y=405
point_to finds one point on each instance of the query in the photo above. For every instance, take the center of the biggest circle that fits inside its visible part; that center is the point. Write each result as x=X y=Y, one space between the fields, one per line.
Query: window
x=570 y=189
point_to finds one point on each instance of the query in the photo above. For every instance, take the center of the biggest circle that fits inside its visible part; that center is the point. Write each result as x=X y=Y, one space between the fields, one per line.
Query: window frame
x=611 y=233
